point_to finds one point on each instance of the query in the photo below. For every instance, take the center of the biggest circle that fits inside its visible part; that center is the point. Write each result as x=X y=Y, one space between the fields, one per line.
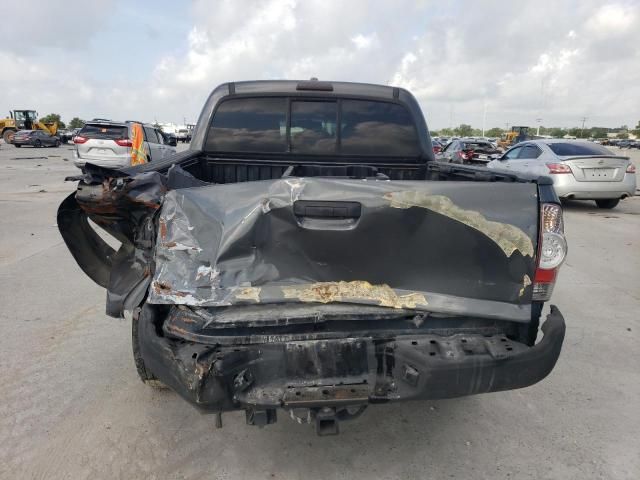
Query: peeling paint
x=355 y=291
x=249 y=293
x=526 y=281
x=508 y=237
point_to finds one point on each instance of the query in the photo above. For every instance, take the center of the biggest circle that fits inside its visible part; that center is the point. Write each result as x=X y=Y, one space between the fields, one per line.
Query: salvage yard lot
x=71 y=404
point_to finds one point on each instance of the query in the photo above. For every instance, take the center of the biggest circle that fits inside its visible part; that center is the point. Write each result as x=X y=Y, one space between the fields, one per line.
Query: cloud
x=557 y=60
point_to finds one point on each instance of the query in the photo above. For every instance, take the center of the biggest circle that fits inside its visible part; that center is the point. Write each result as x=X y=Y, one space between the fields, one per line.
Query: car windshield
x=111 y=132
x=569 y=149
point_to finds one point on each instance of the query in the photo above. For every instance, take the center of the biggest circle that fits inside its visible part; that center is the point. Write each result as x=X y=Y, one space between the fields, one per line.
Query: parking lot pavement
x=71 y=405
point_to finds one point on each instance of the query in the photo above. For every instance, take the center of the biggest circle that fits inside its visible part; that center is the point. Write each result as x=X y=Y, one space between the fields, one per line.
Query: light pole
x=538 y=130
x=584 y=119
x=484 y=115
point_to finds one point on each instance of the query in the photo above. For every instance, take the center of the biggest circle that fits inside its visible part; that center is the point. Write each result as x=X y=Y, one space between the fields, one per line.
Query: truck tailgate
x=426 y=245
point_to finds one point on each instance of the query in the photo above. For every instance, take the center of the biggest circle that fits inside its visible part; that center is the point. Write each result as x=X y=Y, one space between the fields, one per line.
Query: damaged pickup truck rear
x=308 y=255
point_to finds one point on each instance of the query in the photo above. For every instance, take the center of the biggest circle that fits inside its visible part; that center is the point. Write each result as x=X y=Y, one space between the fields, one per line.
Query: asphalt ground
x=71 y=404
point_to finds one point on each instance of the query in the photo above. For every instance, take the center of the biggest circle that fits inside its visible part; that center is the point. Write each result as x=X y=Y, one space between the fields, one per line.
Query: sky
x=551 y=62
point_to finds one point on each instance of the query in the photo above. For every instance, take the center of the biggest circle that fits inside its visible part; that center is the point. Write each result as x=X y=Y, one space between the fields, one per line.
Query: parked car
x=183 y=134
x=468 y=151
x=261 y=272
x=64 y=135
x=580 y=170
x=108 y=144
x=437 y=146
x=624 y=144
x=35 y=138
x=74 y=133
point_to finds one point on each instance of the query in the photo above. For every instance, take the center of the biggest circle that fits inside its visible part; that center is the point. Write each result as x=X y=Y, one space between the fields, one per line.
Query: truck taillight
x=79 y=139
x=555 y=168
x=123 y=142
x=631 y=168
x=552 y=250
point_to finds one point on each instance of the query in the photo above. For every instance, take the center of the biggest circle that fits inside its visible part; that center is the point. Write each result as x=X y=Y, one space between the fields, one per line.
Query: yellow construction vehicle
x=516 y=135
x=24 y=120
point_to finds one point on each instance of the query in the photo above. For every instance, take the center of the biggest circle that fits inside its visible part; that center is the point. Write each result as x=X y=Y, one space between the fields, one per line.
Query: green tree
x=636 y=131
x=622 y=135
x=464 y=130
x=446 y=132
x=494 y=132
x=557 y=132
x=599 y=132
x=76 y=123
x=53 y=117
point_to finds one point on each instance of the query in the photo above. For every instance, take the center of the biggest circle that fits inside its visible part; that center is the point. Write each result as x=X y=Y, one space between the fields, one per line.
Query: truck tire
x=7 y=135
x=607 y=203
x=145 y=375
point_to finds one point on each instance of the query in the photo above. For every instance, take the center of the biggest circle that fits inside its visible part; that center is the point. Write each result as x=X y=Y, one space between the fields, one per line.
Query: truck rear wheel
x=145 y=375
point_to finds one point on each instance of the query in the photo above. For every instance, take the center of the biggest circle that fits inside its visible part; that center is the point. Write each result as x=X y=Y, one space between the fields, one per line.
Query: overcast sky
x=552 y=59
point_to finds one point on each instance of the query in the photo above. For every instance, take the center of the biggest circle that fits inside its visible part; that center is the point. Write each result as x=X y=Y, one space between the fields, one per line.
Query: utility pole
x=584 y=119
x=484 y=115
x=538 y=130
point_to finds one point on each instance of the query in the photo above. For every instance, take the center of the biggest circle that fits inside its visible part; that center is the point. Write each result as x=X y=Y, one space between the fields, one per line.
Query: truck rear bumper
x=346 y=372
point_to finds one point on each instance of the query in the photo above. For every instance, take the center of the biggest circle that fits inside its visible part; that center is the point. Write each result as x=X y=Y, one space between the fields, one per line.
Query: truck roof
x=326 y=88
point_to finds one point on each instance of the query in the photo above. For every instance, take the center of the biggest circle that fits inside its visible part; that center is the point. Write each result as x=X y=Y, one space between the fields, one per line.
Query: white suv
x=108 y=144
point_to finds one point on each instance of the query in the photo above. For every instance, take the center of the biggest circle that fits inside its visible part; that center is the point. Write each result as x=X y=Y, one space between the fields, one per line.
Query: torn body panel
x=247 y=243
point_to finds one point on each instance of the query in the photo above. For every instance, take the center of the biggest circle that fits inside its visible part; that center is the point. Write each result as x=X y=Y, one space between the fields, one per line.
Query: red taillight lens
x=466 y=154
x=552 y=250
x=123 y=142
x=555 y=168
x=631 y=168
x=79 y=139
x=437 y=149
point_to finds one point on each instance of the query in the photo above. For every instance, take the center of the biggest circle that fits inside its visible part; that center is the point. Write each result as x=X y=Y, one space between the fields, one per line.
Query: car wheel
x=57 y=144
x=7 y=136
x=37 y=144
x=145 y=375
x=607 y=203
x=17 y=146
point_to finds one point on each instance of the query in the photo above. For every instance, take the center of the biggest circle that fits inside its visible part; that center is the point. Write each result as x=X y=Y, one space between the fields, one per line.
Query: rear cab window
x=567 y=149
x=313 y=126
x=103 y=131
x=249 y=125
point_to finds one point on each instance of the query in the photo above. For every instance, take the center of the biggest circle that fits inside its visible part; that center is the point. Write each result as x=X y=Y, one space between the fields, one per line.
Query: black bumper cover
x=341 y=372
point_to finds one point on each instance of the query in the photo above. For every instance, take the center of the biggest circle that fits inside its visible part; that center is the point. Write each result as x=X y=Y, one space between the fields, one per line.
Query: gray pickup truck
x=308 y=253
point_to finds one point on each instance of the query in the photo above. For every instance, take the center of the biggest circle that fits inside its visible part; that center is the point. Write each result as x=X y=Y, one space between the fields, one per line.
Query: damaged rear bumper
x=339 y=372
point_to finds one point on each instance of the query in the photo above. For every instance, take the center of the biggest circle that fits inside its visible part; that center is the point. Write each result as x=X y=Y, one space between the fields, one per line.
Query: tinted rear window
x=313 y=126
x=568 y=149
x=112 y=132
x=260 y=125
x=378 y=129
x=249 y=125
x=478 y=146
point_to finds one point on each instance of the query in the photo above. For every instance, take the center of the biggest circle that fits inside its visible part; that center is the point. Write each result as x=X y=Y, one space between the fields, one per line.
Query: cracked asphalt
x=71 y=405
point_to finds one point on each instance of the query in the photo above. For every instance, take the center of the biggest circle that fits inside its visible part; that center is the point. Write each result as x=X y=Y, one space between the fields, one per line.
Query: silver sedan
x=580 y=170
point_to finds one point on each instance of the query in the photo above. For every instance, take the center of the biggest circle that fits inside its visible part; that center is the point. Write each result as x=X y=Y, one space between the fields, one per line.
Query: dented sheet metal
x=458 y=242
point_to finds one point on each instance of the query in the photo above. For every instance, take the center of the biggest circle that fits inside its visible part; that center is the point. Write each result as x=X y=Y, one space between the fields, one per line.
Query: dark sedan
x=35 y=138
x=468 y=151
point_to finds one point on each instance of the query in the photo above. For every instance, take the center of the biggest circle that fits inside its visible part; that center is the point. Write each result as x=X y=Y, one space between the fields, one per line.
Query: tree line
x=464 y=130
x=55 y=117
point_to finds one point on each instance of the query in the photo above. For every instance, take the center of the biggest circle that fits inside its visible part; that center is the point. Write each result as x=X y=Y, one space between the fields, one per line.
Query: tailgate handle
x=326 y=209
